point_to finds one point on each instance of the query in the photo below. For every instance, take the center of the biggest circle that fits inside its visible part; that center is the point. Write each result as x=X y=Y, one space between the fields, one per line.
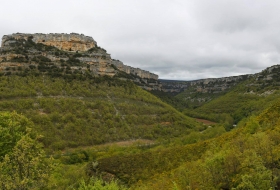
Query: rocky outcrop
x=66 y=54
x=10 y=56
x=222 y=80
x=134 y=71
x=266 y=80
x=210 y=85
x=95 y=58
x=66 y=42
x=101 y=69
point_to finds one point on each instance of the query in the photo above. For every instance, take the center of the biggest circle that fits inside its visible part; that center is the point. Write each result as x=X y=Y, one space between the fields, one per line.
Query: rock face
x=134 y=71
x=264 y=82
x=61 y=54
x=66 y=42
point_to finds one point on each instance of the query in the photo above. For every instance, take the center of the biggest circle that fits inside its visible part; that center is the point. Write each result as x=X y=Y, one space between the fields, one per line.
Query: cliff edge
x=64 y=54
x=66 y=42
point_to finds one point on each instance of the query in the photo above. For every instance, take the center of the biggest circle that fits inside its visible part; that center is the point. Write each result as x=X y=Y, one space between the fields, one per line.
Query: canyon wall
x=66 y=42
x=80 y=54
x=210 y=85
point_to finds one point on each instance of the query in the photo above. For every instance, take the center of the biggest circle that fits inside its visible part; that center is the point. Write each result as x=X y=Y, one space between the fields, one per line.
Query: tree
x=24 y=165
x=12 y=128
x=254 y=174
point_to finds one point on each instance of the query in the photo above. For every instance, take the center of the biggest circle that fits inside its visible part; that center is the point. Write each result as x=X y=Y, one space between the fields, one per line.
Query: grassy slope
x=90 y=111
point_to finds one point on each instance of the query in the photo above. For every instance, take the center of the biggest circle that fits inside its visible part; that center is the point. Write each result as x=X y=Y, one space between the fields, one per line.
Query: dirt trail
x=138 y=142
x=205 y=122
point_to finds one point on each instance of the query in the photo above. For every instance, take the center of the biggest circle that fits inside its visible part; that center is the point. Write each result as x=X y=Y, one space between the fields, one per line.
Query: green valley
x=74 y=118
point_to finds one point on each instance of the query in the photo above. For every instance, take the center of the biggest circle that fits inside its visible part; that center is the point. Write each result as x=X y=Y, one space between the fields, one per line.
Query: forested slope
x=83 y=112
x=244 y=158
x=248 y=97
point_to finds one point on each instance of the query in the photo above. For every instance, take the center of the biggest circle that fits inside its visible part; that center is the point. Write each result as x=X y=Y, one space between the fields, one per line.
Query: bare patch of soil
x=205 y=122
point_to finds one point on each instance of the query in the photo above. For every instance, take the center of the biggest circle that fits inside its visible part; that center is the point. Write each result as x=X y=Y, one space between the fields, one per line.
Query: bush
x=99 y=184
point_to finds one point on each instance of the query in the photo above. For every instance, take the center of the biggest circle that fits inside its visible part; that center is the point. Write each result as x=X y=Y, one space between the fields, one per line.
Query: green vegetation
x=171 y=99
x=195 y=99
x=228 y=107
x=234 y=106
x=97 y=49
x=81 y=113
x=245 y=158
x=99 y=184
x=22 y=163
x=75 y=115
x=90 y=111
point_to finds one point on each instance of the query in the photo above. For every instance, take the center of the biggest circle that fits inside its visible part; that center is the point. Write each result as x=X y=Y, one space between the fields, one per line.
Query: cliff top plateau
x=66 y=42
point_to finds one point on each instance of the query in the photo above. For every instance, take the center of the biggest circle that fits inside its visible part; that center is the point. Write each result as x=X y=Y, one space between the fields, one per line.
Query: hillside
x=88 y=112
x=198 y=92
x=247 y=98
x=245 y=158
x=226 y=100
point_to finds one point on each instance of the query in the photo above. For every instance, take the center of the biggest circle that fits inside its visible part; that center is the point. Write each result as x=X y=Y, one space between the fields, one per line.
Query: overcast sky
x=176 y=39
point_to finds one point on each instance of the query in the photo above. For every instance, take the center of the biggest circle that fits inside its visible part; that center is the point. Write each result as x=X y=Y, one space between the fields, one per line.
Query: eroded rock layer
x=66 y=54
x=67 y=42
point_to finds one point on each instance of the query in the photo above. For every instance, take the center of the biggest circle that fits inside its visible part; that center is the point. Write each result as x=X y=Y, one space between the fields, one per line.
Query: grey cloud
x=175 y=39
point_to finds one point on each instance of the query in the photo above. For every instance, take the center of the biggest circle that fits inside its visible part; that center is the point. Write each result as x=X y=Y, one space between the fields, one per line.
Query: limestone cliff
x=66 y=53
x=134 y=71
x=67 y=42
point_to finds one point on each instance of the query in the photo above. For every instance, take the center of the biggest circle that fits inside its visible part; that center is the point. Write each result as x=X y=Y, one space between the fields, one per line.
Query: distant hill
x=198 y=92
x=227 y=99
x=249 y=97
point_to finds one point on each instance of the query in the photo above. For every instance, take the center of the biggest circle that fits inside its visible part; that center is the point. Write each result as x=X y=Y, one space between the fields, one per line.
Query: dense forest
x=75 y=116
x=90 y=112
